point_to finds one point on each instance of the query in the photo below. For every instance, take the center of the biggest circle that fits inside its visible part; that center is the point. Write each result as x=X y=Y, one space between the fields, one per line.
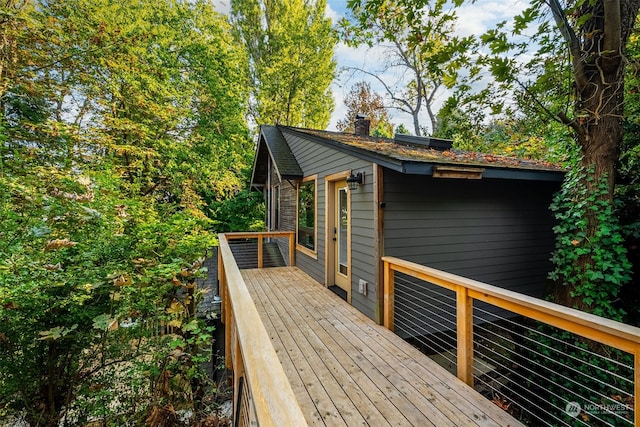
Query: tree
x=290 y=48
x=402 y=130
x=361 y=100
x=422 y=49
x=119 y=119
x=593 y=36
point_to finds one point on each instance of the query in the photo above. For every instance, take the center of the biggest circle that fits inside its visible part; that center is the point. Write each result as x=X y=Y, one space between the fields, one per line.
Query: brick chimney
x=362 y=125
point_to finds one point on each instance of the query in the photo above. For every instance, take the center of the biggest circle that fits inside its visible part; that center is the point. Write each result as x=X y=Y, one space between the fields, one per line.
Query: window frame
x=304 y=249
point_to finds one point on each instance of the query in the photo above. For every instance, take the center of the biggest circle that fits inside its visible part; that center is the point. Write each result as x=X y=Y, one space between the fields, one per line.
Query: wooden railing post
x=636 y=388
x=389 y=285
x=225 y=308
x=221 y=284
x=292 y=249
x=464 y=308
x=238 y=372
x=260 y=261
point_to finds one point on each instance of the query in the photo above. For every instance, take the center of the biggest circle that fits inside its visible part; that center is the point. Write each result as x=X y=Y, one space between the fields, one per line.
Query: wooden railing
x=262 y=392
x=608 y=332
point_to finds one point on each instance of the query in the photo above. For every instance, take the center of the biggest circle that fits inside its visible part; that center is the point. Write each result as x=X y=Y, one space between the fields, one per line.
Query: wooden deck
x=346 y=370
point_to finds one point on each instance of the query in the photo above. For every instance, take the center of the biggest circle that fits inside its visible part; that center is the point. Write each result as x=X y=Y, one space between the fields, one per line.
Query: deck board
x=347 y=370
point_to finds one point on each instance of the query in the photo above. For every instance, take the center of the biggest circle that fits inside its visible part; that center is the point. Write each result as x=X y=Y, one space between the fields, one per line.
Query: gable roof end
x=272 y=144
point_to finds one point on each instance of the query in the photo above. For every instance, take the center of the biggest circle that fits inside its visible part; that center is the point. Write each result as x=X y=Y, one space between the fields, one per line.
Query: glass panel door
x=343 y=218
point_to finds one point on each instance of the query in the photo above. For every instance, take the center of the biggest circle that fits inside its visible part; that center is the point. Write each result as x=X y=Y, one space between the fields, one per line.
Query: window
x=307 y=214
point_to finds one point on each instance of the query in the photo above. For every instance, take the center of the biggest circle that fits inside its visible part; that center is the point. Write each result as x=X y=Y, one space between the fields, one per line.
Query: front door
x=341 y=236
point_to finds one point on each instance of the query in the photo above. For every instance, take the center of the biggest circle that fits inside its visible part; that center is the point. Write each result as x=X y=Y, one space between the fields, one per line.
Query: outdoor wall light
x=355 y=180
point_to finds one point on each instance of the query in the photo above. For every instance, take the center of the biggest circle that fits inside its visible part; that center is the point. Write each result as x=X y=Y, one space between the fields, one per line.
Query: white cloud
x=476 y=18
x=222 y=6
x=332 y=14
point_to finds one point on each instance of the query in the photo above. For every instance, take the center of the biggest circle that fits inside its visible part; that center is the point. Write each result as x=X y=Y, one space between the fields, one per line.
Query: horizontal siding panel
x=497 y=232
x=485 y=266
x=400 y=220
x=484 y=249
x=317 y=159
x=404 y=237
x=393 y=229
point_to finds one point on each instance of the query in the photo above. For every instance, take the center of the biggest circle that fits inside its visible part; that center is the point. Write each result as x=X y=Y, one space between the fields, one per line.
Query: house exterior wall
x=494 y=231
x=287 y=210
x=317 y=159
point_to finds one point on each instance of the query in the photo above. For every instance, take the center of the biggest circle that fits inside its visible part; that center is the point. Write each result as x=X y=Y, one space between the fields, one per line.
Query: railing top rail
x=256 y=234
x=274 y=400
x=626 y=337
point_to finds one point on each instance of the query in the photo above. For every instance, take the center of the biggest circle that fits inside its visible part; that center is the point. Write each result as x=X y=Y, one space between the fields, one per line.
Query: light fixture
x=355 y=180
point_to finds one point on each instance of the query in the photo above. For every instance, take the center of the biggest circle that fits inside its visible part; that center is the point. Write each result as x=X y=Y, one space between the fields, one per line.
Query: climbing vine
x=593 y=265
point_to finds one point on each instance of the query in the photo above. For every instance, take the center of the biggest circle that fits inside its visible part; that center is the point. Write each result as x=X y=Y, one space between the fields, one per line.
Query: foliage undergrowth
x=121 y=122
x=597 y=281
x=97 y=299
x=591 y=268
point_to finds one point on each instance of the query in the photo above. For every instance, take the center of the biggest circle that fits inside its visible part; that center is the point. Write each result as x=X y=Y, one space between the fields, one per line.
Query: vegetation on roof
x=388 y=147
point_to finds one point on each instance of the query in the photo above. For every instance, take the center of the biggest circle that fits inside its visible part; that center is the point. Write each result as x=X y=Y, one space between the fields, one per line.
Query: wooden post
x=221 y=284
x=292 y=249
x=636 y=388
x=238 y=372
x=464 y=308
x=389 y=285
x=260 y=263
x=225 y=307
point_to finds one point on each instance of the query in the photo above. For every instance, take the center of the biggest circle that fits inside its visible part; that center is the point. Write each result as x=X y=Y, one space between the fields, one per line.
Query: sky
x=473 y=18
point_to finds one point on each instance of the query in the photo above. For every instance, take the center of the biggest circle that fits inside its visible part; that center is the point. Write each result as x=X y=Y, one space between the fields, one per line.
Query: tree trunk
x=598 y=129
x=416 y=124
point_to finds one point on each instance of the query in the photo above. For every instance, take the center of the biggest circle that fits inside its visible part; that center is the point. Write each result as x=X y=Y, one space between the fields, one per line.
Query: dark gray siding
x=494 y=231
x=314 y=158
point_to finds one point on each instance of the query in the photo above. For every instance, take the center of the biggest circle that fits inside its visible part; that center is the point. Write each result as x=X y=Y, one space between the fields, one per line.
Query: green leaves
x=290 y=48
x=592 y=266
x=122 y=120
x=56 y=333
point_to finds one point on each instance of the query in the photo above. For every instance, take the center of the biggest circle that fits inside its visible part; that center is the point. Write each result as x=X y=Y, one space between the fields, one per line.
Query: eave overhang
x=425 y=167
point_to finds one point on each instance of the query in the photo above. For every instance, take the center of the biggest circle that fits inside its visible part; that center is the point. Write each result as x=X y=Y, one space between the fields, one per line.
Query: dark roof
x=413 y=159
x=272 y=143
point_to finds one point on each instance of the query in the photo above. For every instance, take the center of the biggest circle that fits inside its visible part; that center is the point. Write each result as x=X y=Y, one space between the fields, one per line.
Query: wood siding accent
x=288 y=203
x=494 y=231
x=378 y=236
x=313 y=159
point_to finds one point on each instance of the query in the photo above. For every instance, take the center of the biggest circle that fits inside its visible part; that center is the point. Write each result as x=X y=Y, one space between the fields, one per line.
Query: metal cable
x=541 y=386
x=535 y=331
x=524 y=408
x=442 y=314
x=553 y=361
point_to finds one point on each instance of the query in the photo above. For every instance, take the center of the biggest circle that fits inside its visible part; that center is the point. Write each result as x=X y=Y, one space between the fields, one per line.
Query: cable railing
x=262 y=392
x=545 y=364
